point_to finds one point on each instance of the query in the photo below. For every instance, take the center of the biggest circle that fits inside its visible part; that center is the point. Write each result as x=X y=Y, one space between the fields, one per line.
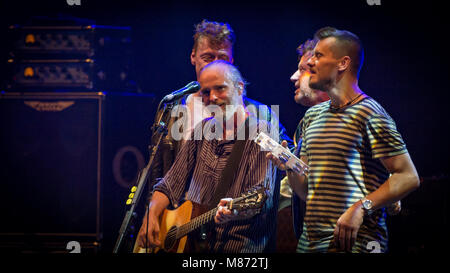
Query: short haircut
x=232 y=73
x=217 y=33
x=307 y=46
x=347 y=43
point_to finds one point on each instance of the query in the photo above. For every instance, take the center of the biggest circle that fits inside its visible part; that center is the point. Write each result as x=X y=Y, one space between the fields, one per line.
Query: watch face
x=367 y=204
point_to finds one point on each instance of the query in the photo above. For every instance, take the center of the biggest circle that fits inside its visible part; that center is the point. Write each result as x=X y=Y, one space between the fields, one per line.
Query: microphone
x=190 y=88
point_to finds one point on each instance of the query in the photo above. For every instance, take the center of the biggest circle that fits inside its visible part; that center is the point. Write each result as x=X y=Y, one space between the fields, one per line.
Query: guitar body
x=171 y=219
x=175 y=225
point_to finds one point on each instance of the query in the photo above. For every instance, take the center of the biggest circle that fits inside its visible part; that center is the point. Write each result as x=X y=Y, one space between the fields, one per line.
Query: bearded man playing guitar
x=198 y=173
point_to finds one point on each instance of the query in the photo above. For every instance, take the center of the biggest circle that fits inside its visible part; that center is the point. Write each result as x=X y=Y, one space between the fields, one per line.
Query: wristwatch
x=367 y=205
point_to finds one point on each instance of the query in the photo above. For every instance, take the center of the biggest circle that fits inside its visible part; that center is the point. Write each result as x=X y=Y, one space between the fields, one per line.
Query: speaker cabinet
x=67 y=162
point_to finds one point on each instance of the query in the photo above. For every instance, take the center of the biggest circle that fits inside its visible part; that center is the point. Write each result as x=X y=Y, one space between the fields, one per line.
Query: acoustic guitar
x=176 y=224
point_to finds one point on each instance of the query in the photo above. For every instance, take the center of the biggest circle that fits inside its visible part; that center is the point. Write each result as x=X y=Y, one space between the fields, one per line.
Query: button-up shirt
x=197 y=172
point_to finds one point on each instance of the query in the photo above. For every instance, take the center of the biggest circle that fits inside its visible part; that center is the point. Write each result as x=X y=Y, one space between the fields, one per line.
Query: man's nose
x=310 y=61
x=212 y=97
x=295 y=76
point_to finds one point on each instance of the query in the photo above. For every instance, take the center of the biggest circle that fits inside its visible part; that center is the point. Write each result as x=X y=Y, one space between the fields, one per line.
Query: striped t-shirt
x=343 y=148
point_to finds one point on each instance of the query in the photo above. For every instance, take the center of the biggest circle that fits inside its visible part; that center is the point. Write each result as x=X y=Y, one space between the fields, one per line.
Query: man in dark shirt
x=212 y=41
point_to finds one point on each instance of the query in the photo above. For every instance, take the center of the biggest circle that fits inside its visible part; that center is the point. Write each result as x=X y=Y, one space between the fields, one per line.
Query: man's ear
x=344 y=63
x=240 y=88
x=193 y=57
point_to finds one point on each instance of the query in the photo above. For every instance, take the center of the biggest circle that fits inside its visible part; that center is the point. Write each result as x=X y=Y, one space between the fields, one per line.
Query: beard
x=307 y=96
x=320 y=84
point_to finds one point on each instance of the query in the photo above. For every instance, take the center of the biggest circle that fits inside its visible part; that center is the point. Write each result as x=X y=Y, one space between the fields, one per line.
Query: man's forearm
x=395 y=188
x=403 y=180
x=158 y=203
x=298 y=183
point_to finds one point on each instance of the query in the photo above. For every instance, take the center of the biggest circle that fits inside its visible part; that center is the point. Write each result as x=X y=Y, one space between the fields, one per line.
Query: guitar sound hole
x=171 y=238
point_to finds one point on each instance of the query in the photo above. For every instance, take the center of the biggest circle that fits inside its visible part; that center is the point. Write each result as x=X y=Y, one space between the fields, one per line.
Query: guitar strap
x=227 y=177
x=229 y=172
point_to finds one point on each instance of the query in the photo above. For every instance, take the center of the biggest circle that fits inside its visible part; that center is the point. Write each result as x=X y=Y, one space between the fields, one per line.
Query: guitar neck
x=209 y=215
x=196 y=223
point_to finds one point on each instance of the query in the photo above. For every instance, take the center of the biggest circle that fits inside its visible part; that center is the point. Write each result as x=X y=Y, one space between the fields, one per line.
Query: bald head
x=230 y=71
x=221 y=84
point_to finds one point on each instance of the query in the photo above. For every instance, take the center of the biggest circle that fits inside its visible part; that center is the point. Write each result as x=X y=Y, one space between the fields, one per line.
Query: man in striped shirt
x=197 y=169
x=358 y=161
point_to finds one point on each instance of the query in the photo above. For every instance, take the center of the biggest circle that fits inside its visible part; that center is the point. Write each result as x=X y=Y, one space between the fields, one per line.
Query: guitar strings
x=146 y=231
x=181 y=231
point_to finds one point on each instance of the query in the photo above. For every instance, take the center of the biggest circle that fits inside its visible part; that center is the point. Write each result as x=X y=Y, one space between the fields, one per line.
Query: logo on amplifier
x=73 y=2
x=57 y=106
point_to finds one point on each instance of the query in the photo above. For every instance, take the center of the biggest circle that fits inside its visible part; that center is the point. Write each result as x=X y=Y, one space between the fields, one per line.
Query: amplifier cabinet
x=70 y=58
x=61 y=176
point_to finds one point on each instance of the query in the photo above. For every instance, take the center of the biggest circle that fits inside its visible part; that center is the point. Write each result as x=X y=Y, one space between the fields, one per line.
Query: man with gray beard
x=212 y=41
x=196 y=172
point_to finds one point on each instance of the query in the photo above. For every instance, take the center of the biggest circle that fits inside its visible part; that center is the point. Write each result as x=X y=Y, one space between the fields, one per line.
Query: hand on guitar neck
x=167 y=230
x=224 y=214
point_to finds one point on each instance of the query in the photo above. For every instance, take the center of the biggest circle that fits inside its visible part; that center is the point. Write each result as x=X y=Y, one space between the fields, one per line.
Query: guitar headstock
x=253 y=199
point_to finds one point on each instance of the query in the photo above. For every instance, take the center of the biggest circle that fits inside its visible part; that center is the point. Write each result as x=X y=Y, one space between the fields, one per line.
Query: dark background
x=405 y=67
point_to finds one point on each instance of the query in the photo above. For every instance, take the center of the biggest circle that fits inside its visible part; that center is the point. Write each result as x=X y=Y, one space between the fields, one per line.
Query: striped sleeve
x=302 y=147
x=383 y=137
x=173 y=184
x=309 y=115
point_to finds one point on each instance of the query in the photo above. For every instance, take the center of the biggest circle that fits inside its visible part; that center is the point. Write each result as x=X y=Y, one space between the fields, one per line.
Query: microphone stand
x=159 y=130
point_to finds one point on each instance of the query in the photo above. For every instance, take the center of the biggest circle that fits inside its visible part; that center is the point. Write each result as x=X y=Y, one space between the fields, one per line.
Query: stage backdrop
x=405 y=67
